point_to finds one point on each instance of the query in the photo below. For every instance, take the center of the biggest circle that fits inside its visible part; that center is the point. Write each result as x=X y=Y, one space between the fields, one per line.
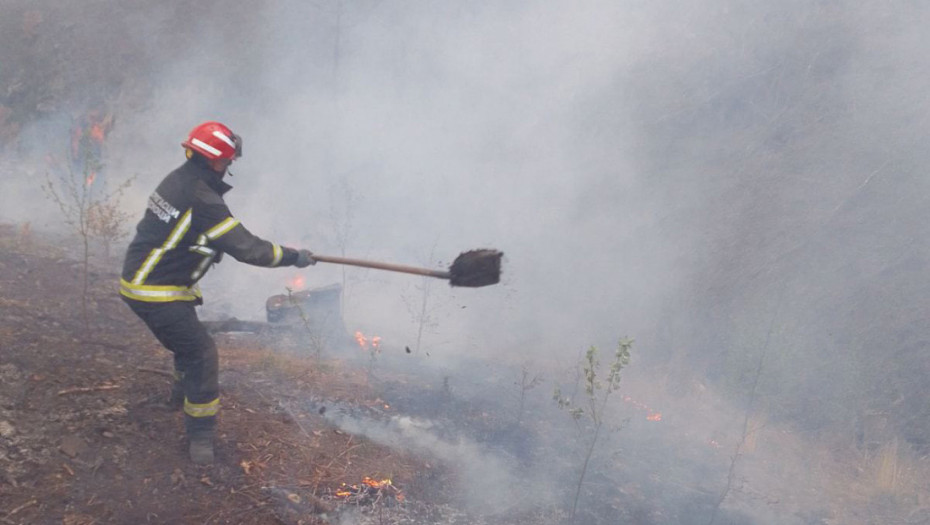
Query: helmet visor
x=237 y=140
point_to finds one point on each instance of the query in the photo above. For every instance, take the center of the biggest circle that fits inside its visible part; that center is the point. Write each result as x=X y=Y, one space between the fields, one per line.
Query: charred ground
x=85 y=438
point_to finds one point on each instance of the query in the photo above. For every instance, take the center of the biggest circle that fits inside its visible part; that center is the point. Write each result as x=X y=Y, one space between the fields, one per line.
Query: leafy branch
x=316 y=339
x=89 y=214
x=597 y=393
x=527 y=382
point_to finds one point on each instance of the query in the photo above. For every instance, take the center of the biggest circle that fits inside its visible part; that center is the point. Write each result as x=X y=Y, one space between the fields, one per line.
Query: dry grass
x=347 y=458
x=888 y=474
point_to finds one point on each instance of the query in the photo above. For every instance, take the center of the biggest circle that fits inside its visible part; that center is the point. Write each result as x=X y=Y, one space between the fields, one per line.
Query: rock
x=117 y=411
x=177 y=477
x=9 y=371
x=8 y=477
x=6 y=429
x=72 y=446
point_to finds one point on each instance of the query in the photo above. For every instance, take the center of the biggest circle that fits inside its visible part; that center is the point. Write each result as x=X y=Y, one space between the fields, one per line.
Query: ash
x=419 y=513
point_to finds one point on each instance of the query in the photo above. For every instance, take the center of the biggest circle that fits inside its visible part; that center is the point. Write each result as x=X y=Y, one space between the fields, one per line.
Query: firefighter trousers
x=196 y=364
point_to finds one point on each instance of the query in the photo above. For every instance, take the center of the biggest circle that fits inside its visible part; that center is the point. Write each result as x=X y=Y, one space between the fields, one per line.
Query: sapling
x=88 y=213
x=597 y=393
x=315 y=336
x=107 y=221
x=528 y=381
x=374 y=348
x=422 y=306
x=420 y=312
x=748 y=430
x=342 y=203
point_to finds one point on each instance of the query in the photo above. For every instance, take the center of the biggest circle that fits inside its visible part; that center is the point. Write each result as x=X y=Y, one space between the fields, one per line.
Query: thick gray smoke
x=737 y=185
x=485 y=479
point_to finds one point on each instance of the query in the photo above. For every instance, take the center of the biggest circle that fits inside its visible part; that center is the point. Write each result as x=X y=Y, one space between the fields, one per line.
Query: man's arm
x=228 y=235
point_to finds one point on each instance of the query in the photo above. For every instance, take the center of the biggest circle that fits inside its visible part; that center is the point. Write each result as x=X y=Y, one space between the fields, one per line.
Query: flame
x=90 y=179
x=97 y=132
x=651 y=415
x=98 y=125
x=376 y=484
x=363 y=341
x=297 y=282
x=369 y=484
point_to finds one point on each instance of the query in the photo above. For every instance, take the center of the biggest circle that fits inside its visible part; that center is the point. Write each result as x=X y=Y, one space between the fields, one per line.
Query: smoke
x=486 y=481
x=410 y=134
x=702 y=177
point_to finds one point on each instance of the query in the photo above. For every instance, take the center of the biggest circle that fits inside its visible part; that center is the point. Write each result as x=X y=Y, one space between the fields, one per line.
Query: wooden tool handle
x=382 y=266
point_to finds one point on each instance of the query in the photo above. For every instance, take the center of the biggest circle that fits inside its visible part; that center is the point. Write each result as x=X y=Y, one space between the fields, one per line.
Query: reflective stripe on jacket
x=186 y=227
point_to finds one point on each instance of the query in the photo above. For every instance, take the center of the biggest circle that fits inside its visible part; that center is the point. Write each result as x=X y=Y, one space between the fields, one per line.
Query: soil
x=85 y=435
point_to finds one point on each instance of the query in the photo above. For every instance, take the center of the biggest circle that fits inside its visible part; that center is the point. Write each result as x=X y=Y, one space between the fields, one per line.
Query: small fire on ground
x=365 y=342
x=296 y=283
x=651 y=415
x=369 y=492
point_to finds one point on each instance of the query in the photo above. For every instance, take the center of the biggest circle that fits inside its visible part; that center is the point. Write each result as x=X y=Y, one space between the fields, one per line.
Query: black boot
x=201 y=447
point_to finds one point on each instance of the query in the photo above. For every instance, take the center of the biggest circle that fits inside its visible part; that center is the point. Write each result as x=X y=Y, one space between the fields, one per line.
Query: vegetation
x=314 y=336
x=528 y=381
x=90 y=212
x=597 y=392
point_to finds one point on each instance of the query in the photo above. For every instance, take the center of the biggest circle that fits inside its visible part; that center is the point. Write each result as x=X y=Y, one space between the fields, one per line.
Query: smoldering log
x=316 y=313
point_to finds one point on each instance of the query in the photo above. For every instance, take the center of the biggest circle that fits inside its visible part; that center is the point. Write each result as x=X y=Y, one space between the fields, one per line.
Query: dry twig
x=21 y=507
x=85 y=389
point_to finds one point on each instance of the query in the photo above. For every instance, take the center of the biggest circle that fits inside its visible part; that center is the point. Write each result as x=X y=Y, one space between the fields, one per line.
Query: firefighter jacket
x=186 y=227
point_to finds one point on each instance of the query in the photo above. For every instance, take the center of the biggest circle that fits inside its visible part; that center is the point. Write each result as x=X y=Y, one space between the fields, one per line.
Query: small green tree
x=597 y=392
x=314 y=335
x=106 y=220
x=90 y=214
x=528 y=381
x=422 y=306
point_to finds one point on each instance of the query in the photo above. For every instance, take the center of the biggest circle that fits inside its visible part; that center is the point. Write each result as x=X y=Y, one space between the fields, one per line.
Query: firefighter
x=185 y=229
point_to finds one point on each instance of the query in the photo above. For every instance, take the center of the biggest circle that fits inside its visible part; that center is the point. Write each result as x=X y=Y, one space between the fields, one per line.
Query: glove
x=304 y=259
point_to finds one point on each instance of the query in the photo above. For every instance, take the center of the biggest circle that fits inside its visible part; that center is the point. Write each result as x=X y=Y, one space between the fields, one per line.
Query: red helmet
x=214 y=141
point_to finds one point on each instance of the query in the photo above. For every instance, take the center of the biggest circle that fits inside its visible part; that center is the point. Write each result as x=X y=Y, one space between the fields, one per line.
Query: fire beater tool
x=472 y=269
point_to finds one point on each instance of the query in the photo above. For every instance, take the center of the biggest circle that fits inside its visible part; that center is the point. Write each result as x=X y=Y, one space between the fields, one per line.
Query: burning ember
x=363 y=341
x=87 y=138
x=369 y=492
x=296 y=283
x=98 y=131
x=651 y=415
